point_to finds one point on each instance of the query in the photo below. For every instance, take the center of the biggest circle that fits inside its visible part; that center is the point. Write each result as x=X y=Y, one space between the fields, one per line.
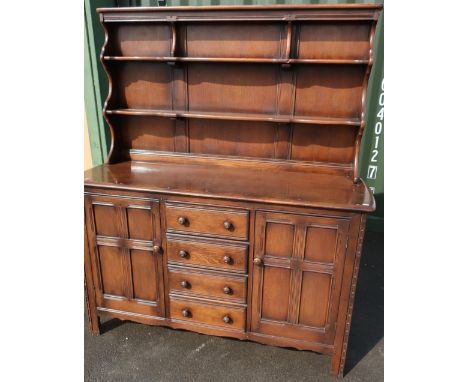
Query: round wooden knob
x=157 y=249
x=258 y=261
x=186 y=313
x=228 y=225
x=227 y=259
x=227 y=290
x=183 y=254
x=184 y=284
x=182 y=220
x=227 y=319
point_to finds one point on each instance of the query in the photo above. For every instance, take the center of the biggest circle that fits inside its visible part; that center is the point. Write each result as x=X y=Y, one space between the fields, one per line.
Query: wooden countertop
x=277 y=186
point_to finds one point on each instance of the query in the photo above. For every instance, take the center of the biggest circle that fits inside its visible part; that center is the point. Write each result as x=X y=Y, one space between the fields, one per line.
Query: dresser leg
x=94 y=321
x=336 y=368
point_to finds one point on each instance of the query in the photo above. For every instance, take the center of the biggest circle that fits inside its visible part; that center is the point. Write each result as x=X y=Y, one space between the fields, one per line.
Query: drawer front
x=212 y=221
x=207 y=254
x=217 y=315
x=203 y=284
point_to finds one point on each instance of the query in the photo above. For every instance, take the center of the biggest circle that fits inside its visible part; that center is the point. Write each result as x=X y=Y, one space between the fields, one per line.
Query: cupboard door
x=125 y=242
x=297 y=272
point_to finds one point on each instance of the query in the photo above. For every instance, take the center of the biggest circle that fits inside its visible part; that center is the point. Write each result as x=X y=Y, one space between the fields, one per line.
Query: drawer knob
x=186 y=313
x=227 y=290
x=227 y=319
x=185 y=284
x=228 y=225
x=182 y=220
x=227 y=259
x=258 y=261
x=183 y=254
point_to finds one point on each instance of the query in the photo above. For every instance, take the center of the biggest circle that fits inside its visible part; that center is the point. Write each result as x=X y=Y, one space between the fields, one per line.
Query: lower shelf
x=337 y=61
x=254 y=117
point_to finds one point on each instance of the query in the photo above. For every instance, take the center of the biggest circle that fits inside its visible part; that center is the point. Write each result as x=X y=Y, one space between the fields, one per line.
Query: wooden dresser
x=230 y=203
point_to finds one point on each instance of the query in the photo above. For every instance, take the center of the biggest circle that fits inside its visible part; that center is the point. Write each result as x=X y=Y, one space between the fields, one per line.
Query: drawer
x=222 y=222
x=218 y=315
x=209 y=254
x=209 y=285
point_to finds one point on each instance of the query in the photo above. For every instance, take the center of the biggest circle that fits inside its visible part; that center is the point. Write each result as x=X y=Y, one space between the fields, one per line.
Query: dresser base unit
x=230 y=203
x=281 y=273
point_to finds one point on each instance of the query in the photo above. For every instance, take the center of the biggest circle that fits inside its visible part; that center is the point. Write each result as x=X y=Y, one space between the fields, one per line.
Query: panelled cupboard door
x=125 y=242
x=297 y=272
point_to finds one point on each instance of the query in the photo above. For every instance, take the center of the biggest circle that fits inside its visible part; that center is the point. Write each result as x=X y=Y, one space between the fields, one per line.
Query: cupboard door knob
x=183 y=254
x=228 y=225
x=258 y=261
x=184 y=284
x=157 y=249
x=227 y=290
x=186 y=313
x=227 y=319
x=227 y=259
x=182 y=220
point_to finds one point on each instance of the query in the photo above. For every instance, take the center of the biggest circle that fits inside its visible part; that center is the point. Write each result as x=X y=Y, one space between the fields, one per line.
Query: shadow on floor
x=367 y=327
x=111 y=324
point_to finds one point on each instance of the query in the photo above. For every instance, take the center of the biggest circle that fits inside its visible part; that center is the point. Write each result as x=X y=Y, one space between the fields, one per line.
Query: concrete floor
x=132 y=352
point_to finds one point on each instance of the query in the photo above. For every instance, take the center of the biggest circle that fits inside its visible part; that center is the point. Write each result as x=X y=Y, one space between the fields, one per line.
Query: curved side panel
x=357 y=144
x=111 y=156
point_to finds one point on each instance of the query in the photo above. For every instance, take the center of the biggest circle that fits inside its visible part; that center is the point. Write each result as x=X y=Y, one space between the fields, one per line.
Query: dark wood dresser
x=230 y=203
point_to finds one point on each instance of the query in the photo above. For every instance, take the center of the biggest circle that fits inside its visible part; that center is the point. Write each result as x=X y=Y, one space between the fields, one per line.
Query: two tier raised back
x=274 y=89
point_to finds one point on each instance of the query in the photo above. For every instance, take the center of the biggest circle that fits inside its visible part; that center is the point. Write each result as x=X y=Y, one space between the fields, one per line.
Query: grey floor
x=132 y=352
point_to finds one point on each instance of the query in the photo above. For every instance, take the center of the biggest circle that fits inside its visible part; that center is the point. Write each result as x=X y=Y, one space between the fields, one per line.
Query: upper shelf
x=238 y=116
x=238 y=60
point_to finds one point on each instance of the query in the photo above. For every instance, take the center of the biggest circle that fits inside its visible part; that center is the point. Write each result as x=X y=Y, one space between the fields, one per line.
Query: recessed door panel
x=315 y=298
x=279 y=239
x=112 y=270
x=275 y=298
x=140 y=225
x=321 y=244
x=144 y=275
x=105 y=217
